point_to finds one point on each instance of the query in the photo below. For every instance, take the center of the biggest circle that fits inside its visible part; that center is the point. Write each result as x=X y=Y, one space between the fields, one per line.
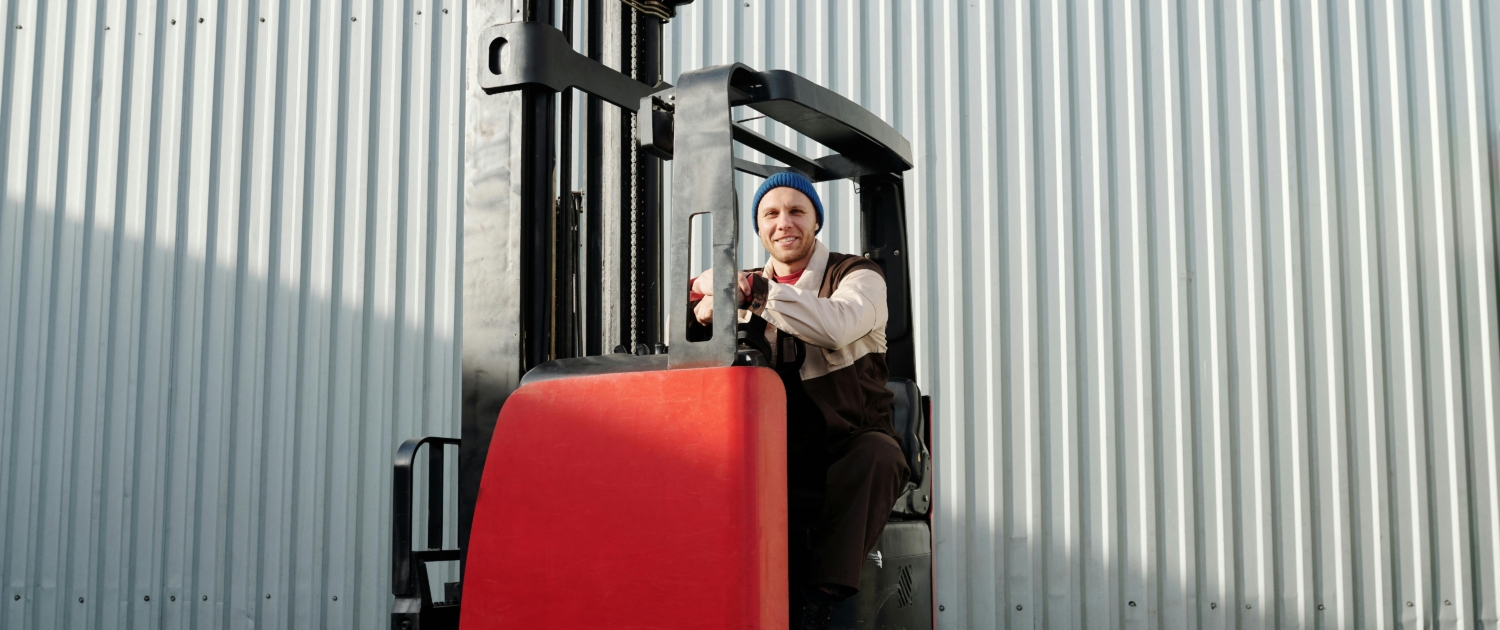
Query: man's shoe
x=817 y=610
x=814 y=616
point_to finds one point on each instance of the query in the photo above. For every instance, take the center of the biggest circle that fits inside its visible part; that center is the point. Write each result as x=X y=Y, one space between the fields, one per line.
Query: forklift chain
x=634 y=186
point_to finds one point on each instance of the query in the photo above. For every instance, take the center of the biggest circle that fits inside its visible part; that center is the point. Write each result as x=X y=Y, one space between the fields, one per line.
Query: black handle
x=403 y=558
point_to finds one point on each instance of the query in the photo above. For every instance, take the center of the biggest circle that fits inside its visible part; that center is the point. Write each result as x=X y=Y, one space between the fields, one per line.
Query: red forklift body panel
x=636 y=500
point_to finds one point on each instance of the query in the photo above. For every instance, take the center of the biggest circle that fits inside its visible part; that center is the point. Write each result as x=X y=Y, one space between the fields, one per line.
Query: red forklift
x=648 y=488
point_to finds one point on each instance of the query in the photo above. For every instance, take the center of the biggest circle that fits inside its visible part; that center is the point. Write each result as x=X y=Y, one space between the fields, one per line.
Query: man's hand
x=704 y=284
x=746 y=285
x=704 y=311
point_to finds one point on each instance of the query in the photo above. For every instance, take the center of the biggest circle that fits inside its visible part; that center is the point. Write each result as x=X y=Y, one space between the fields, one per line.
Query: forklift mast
x=528 y=305
x=592 y=500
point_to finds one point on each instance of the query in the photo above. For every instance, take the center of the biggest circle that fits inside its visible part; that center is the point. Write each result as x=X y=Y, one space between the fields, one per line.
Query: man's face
x=788 y=225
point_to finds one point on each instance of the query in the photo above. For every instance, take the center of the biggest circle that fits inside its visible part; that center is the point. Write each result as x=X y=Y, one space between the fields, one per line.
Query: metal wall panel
x=229 y=248
x=1206 y=296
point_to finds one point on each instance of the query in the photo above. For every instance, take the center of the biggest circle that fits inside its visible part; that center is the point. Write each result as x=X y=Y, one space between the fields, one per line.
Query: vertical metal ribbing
x=1377 y=92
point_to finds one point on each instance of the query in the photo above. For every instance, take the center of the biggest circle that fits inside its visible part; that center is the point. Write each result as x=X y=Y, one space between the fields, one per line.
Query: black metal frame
x=882 y=204
x=409 y=582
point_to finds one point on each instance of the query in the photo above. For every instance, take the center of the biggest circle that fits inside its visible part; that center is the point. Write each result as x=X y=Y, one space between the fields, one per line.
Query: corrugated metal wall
x=1206 y=299
x=1206 y=296
x=228 y=288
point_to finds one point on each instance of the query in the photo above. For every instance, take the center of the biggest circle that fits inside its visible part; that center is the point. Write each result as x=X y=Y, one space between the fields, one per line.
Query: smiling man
x=823 y=316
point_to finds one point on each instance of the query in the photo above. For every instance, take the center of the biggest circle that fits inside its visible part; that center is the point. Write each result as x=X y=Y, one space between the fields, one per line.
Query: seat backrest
x=910 y=424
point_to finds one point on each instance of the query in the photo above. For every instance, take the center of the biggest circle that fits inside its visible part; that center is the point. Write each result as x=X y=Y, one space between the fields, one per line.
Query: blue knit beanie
x=788 y=179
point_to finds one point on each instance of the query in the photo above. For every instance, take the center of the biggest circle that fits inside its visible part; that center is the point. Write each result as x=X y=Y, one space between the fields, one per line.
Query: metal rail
x=414 y=604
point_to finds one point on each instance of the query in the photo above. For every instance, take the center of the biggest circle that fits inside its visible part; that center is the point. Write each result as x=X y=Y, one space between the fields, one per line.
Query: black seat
x=910 y=422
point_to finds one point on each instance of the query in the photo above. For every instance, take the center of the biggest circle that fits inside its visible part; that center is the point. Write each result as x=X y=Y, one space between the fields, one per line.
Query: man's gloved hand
x=704 y=284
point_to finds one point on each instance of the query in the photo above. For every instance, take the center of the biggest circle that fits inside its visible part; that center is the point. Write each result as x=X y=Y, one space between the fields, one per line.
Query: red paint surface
x=642 y=500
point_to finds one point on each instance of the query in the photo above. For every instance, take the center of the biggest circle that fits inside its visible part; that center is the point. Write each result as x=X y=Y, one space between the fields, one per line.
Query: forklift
x=647 y=488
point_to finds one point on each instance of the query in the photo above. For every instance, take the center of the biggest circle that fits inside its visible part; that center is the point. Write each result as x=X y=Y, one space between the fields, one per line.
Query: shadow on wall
x=201 y=408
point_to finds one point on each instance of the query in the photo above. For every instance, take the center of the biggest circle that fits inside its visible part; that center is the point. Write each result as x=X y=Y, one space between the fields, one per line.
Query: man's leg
x=864 y=479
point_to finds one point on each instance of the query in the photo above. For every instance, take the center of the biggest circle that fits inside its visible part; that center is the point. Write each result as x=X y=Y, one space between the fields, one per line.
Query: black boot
x=817 y=610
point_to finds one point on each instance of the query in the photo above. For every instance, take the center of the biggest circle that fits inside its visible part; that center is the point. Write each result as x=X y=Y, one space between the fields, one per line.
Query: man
x=823 y=315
